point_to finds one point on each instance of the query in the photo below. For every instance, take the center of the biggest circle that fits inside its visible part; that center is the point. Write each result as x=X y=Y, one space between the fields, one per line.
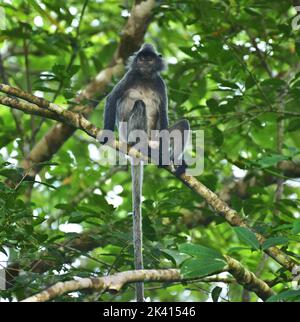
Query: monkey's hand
x=105 y=136
x=177 y=170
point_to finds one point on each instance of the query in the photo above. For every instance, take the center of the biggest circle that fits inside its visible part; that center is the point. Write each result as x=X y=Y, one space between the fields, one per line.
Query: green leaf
x=247 y=236
x=216 y=293
x=199 y=251
x=270 y=160
x=213 y=105
x=188 y=51
x=218 y=137
x=296 y=226
x=228 y=84
x=283 y=227
x=76 y=217
x=250 y=82
x=294 y=125
x=68 y=93
x=285 y=295
x=66 y=207
x=41 y=237
x=6 y=136
x=237 y=249
x=73 y=70
x=176 y=257
x=253 y=11
x=272 y=241
x=14 y=174
x=297 y=48
x=274 y=82
x=201 y=267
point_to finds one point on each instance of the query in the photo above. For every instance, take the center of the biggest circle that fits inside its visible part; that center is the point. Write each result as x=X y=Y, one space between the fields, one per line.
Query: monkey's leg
x=137 y=121
x=176 y=155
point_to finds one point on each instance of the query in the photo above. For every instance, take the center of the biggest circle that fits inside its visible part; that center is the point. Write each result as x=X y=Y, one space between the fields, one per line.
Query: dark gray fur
x=136 y=78
x=140 y=99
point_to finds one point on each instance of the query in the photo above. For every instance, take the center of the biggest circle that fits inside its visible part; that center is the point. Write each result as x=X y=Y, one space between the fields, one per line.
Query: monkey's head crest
x=146 y=62
x=147 y=49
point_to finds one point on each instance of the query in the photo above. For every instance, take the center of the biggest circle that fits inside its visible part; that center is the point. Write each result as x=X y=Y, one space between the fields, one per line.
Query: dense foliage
x=233 y=72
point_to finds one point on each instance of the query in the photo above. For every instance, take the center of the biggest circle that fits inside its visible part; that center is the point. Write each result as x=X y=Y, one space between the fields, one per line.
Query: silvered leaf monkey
x=139 y=102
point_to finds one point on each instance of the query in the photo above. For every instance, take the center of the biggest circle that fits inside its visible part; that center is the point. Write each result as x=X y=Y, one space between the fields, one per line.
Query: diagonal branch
x=248 y=279
x=234 y=219
x=78 y=121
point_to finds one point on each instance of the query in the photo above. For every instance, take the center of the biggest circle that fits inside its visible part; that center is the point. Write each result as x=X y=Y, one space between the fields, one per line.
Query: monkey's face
x=146 y=63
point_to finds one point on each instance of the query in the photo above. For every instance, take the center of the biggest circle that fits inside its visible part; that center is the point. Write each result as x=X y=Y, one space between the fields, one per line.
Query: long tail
x=137 y=183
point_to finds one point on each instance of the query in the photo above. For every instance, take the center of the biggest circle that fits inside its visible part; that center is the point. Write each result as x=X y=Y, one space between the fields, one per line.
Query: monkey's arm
x=109 y=118
x=164 y=124
x=110 y=112
x=163 y=121
x=163 y=107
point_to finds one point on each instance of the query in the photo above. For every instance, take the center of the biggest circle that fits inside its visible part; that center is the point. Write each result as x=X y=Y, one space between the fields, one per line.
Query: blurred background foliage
x=233 y=71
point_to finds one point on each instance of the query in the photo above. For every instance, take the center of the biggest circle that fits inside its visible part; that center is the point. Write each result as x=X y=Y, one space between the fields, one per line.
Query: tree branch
x=114 y=283
x=233 y=218
x=80 y=122
x=248 y=279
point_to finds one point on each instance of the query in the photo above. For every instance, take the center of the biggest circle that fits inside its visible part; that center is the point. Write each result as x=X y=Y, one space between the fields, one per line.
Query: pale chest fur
x=151 y=100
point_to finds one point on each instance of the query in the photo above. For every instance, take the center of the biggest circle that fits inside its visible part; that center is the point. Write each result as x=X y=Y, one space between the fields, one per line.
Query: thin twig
x=261 y=58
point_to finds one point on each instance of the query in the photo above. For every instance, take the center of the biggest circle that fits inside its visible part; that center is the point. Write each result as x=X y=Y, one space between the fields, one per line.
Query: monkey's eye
x=148 y=59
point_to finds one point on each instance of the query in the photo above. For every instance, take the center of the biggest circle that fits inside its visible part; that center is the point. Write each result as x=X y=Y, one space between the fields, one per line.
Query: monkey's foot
x=178 y=170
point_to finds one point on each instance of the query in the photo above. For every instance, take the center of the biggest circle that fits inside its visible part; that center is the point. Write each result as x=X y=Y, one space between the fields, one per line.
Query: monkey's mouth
x=145 y=69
